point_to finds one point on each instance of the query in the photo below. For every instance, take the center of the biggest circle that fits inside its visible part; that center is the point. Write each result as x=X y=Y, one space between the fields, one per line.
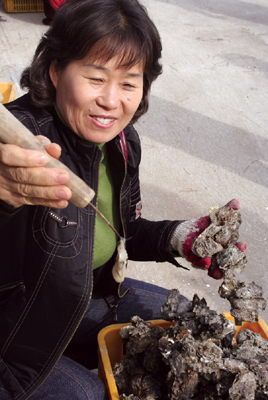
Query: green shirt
x=105 y=239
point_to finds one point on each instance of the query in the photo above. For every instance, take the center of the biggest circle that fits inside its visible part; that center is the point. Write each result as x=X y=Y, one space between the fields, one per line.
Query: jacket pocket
x=9 y=290
x=61 y=229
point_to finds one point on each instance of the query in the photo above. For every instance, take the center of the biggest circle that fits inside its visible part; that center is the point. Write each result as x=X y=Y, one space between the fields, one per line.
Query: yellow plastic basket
x=8 y=91
x=111 y=348
x=22 y=6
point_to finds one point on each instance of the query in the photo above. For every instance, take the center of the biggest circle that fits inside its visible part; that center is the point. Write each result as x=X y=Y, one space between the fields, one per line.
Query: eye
x=96 y=80
x=129 y=86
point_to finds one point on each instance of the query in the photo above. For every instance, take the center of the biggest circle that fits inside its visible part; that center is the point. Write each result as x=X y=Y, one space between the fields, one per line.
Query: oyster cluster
x=193 y=359
x=219 y=241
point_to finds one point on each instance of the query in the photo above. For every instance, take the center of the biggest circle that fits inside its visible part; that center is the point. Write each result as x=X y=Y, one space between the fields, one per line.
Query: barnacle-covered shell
x=218 y=241
x=184 y=363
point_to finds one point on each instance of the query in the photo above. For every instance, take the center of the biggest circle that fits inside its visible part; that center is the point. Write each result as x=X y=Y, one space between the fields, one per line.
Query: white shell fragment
x=120 y=266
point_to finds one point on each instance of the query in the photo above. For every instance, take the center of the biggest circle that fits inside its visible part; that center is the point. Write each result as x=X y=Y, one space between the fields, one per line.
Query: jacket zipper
x=120 y=197
x=124 y=232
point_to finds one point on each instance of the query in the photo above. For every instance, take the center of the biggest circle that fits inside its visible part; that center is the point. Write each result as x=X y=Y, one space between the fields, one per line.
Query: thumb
x=53 y=149
x=234 y=204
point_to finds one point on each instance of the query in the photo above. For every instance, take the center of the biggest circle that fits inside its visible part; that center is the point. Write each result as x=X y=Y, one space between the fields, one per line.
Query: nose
x=109 y=98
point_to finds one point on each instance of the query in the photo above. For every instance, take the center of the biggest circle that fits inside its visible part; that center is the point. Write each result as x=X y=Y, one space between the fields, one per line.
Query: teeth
x=104 y=121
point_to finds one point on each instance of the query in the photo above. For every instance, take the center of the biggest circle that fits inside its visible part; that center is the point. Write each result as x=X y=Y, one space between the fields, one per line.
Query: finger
x=45 y=141
x=32 y=195
x=203 y=263
x=45 y=202
x=215 y=273
x=241 y=246
x=234 y=204
x=197 y=262
x=53 y=150
x=33 y=176
x=43 y=192
x=17 y=200
x=42 y=183
x=13 y=155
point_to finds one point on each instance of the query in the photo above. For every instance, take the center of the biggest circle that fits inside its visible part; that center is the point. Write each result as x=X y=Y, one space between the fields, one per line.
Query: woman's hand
x=185 y=234
x=25 y=180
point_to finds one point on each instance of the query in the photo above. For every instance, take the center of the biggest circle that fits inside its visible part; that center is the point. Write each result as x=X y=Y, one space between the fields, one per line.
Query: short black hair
x=103 y=28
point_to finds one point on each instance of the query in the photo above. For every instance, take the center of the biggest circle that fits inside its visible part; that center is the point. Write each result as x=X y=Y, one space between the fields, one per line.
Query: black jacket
x=46 y=277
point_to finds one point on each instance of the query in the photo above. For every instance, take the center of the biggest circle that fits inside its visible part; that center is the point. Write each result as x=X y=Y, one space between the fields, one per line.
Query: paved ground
x=205 y=138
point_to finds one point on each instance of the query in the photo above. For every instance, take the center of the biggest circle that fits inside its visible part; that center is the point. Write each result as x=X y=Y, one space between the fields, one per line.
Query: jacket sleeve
x=150 y=240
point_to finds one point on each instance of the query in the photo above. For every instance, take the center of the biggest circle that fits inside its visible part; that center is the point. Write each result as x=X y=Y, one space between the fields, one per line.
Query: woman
x=88 y=83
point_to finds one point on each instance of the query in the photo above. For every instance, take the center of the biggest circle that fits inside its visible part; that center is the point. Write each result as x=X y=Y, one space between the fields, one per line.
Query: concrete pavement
x=205 y=137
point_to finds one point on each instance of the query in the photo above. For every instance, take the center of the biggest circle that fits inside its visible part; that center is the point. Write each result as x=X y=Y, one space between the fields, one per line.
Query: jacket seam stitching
x=26 y=310
x=68 y=327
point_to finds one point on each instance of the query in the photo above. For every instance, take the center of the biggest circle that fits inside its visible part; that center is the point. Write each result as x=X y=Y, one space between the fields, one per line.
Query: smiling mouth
x=105 y=121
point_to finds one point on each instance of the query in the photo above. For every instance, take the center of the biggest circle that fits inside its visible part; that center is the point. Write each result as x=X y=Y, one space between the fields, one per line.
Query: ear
x=54 y=73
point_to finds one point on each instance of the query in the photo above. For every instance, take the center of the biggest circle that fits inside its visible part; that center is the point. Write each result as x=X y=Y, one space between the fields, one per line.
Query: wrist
x=179 y=240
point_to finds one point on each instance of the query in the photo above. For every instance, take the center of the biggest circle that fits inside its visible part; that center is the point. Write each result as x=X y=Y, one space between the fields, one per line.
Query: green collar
x=59 y=115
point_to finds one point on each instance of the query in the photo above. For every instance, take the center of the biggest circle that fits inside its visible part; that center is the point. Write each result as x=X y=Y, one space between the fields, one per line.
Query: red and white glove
x=184 y=235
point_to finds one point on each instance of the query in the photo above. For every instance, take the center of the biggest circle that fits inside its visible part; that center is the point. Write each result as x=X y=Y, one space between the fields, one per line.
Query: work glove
x=184 y=235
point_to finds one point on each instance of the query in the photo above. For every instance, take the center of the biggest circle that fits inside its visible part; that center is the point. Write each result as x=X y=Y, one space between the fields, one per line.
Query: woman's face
x=97 y=100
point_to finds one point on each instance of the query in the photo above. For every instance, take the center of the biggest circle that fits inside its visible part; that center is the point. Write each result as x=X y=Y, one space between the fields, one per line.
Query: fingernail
x=61 y=178
x=41 y=160
x=62 y=203
x=62 y=195
x=44 y=140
